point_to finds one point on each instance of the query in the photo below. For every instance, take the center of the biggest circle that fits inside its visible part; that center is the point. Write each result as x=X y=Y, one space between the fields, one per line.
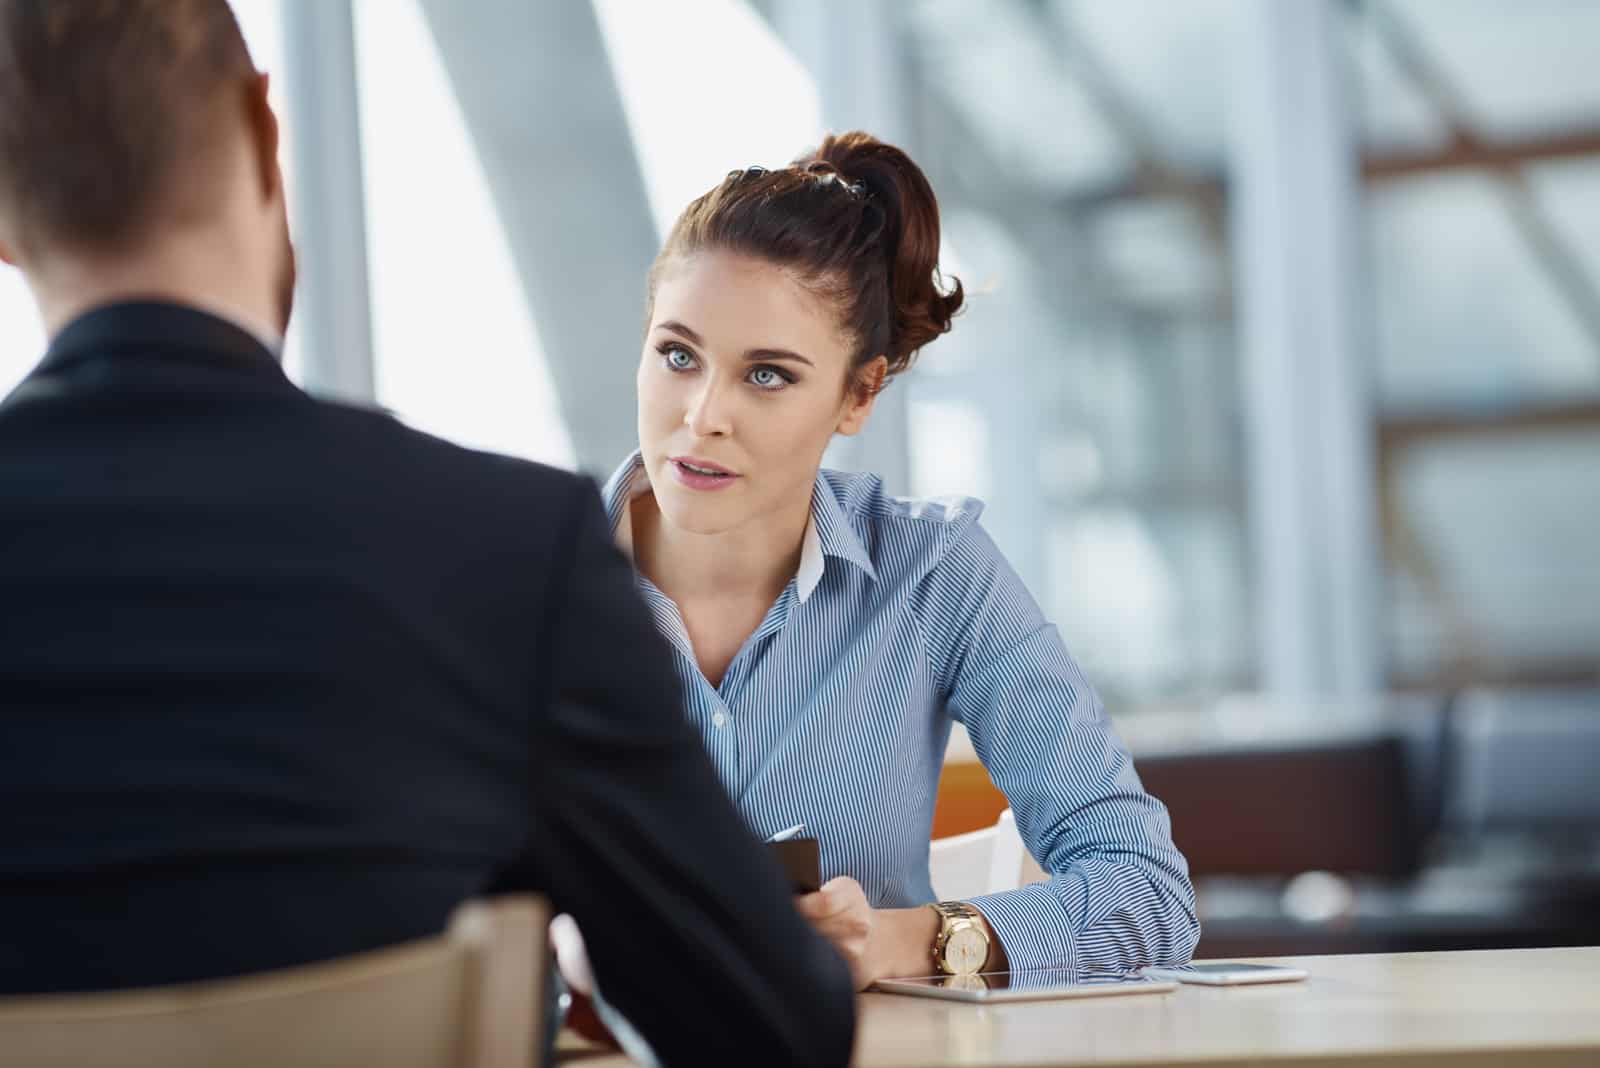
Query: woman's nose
x=708 y=413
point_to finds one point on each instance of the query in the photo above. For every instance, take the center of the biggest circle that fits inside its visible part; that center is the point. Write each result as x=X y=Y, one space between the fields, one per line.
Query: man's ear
x=862 y=395
x=263 y=134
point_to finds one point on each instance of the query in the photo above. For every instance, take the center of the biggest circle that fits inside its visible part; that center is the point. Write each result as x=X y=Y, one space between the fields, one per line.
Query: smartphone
x=1226 y=974
x=801 y=860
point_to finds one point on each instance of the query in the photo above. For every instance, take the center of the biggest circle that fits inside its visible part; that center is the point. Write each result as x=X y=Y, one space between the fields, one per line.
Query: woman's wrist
x=902 y=944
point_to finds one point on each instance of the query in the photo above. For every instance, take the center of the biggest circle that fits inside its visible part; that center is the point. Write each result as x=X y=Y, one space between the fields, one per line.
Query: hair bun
x=922 y=305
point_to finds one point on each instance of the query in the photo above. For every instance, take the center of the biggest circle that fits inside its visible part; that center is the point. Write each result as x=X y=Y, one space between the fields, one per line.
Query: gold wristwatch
x=962 y=945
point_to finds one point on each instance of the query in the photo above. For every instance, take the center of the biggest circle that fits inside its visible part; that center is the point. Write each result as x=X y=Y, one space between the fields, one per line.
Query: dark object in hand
x=801 y=861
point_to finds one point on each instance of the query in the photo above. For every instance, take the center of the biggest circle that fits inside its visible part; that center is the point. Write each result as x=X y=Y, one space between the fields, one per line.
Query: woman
x=827 y=634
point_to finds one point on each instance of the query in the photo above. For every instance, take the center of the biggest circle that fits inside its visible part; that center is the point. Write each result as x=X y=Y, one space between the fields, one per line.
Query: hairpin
x=826 y=174
x=823 y=172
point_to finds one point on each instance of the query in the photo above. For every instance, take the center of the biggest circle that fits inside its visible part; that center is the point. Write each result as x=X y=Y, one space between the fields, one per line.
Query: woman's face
x=741 y=386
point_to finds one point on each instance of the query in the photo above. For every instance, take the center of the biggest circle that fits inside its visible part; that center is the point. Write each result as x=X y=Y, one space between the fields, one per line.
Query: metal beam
x=1400 y=431
x=1305 y=363
x=1561 y=262
x=1155 y=171
x=1458 y=155
x=1476 y=153
x=535 y=84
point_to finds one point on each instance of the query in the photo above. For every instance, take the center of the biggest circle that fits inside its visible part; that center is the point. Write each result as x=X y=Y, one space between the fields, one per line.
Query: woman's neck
x=754 y=561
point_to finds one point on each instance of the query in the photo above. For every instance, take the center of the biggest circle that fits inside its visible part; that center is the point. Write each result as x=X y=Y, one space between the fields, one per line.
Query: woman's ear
x=861 y=395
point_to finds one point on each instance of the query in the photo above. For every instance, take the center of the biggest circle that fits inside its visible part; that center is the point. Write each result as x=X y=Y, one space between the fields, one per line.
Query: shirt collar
x=828 y=531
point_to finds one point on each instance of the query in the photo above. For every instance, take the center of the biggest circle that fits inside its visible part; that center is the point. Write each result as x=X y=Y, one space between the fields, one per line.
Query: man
x=282 y=680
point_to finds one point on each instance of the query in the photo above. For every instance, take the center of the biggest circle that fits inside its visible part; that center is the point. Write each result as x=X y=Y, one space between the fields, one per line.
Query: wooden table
x=1421 y=1010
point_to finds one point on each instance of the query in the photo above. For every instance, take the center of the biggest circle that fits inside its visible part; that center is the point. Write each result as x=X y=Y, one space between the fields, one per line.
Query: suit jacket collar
x=158 y=330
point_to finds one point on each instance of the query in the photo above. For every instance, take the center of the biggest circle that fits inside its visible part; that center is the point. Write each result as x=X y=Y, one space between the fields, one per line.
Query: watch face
x=966 y=950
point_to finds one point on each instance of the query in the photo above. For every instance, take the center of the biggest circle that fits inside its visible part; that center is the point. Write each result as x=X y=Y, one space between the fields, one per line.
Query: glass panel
x=1154 y=602
x=1569 y=191
x=21 y=332
x=1038 y=123
x=1163 y=58
x=455 y=348
x=1497 y=573
x=1466 y=314
x=1393 y=113
x=261 y=22
x=1520 y=68
x=679 y=68
x=952 y=454
x=1097 y=350
x=1486 y=286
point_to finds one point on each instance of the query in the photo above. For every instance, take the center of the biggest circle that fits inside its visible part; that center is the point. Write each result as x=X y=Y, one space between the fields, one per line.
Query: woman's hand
x=840 y=913
x=880 y=943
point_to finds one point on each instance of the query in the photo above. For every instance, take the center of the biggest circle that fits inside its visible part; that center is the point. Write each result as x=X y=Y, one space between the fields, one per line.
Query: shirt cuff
x=1035 y=923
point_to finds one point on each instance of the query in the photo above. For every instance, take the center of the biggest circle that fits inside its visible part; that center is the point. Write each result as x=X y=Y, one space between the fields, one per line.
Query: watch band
x=951 y=914
x=955 y=910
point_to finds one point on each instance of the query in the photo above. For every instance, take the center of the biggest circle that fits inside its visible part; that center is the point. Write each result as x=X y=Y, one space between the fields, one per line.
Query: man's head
x=136 y=142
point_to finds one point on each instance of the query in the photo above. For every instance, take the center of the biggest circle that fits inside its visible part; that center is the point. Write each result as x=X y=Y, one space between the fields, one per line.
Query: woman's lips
x=700 y=475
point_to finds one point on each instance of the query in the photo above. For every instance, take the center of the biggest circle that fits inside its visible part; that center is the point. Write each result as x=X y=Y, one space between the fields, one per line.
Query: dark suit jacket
x=282 y=680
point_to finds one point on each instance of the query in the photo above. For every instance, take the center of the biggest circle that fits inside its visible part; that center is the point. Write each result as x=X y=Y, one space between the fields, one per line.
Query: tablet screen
x=1022 y=986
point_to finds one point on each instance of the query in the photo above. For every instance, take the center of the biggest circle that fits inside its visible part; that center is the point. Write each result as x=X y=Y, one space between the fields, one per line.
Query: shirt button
x=719 y=720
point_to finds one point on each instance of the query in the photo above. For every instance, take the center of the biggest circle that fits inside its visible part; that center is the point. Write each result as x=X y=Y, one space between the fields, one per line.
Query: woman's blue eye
x=678 y=359
x=768 y=378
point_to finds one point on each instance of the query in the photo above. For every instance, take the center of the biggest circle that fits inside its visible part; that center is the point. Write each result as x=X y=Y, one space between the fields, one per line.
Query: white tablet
x=1040 y=985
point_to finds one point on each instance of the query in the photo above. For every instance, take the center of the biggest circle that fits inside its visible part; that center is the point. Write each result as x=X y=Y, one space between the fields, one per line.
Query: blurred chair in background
x=986 y=861
x=1525 y=761
x=1280 y=810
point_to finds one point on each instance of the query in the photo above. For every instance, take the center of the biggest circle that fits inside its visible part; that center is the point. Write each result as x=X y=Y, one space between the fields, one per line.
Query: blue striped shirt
x=903 y=617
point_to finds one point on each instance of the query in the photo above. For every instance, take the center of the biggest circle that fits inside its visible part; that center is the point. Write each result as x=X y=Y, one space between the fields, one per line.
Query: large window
x=1076 y=148
x=21 y=334
x=1082 y=152
x=680 y=68
x=1482 y=124
x=456 y=352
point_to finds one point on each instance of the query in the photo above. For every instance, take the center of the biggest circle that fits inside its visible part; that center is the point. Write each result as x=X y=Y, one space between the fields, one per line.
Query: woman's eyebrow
x=681 y=330
x=752 y=356
x=758 y=355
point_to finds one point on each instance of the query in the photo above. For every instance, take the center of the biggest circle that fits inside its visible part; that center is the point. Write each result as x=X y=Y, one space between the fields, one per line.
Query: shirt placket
x=738 y=681
x=705 y=707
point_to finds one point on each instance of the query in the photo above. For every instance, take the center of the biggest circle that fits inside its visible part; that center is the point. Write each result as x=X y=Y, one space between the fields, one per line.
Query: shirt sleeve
x=1118 y=896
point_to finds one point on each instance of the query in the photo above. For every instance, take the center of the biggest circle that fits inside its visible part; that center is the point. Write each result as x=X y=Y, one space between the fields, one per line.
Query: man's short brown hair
x=107 y=109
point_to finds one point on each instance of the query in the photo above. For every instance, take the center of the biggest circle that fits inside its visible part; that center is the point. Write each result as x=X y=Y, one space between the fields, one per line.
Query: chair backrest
x=470 y=998
x=1341 y=805
x=1523 y=760
x=981 y=862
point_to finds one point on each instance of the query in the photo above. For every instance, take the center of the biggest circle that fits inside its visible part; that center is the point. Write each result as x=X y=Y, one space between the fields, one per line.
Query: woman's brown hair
x=858 y=224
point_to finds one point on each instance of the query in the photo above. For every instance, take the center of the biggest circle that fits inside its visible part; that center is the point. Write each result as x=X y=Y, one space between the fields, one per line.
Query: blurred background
x=1280 y=372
